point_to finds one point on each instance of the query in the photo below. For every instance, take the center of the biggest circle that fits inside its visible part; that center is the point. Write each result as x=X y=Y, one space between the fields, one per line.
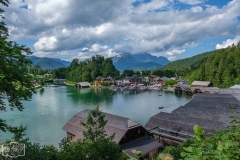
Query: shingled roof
x=210 y=111
x=214 y=101
x=115 y=125
x=181 y=123
x=204 y=113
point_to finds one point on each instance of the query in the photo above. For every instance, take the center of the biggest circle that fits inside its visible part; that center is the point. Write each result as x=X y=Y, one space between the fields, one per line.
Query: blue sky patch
x=238 y=18
x=138 y=2
x=24 y=6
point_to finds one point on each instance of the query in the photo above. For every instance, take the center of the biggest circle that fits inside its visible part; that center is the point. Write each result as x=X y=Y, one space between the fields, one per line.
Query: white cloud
x=196 y=9
x=190 y=44
x=172 y=58
x=212 y=8
x=175 y=52
x=228 y=42
x=46 y=43
x=96 y=49
x=192 y=2
x=151 y=6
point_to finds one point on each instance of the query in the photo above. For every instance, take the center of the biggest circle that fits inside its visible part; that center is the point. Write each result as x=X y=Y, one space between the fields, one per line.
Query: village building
x=183 y=81
x=202 y=84
x=236 y=86
x=119 y=82
x=182 y=88
x=133 y=80
x=153 y=79
x=109 y=79
x=129 y=134
x=59 y=81
x=82 y=85
x=100 y=80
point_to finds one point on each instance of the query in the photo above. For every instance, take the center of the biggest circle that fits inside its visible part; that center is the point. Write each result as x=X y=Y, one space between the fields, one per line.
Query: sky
x=176 y=29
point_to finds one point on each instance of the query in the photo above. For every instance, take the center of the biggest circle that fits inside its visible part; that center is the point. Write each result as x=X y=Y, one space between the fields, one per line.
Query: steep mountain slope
x=127 y=61
x=48 y=63
x=188 y=63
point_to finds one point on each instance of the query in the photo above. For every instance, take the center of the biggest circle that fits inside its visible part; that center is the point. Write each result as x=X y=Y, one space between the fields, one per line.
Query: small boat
x=160 y=107
x=160 y=95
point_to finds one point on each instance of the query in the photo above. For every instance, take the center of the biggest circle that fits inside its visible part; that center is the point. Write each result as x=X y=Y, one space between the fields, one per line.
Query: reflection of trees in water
x=41 y=91
x=182 y=95
x=92 y=96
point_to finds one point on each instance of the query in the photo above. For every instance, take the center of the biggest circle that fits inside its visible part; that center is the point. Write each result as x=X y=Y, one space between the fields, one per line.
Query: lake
x=54 y=105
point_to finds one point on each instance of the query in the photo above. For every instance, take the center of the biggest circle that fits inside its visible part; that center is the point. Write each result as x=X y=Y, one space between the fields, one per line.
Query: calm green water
x=52 y=106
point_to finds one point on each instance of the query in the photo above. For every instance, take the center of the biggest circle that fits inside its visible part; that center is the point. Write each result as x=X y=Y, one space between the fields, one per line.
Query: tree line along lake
x=54 y=105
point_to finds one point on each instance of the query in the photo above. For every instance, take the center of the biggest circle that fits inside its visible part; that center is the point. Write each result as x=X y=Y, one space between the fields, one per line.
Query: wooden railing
x=174 y=135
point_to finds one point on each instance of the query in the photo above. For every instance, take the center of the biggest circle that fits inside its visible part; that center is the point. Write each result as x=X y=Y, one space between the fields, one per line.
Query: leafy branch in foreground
x=15 y=85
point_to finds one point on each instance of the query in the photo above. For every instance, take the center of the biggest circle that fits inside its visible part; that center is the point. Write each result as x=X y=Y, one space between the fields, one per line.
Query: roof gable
x=115 y=125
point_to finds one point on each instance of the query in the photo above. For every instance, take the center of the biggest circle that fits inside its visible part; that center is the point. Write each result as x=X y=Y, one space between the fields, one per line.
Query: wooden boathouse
x=181 y=88
x=82 y=85
x=210 y=111
x=173 y=129
x=129 y=134
x=202 y=84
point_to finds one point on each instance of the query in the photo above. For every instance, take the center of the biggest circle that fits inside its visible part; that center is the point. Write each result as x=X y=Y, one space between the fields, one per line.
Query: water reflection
x=41 y=91
x=91 y=96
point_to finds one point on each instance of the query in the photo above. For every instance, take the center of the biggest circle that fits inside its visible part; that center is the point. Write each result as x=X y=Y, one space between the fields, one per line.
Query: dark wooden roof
x=144 y=144
x=212 y=90
x=182 y=123
x=229 y=90
x=115 y=125
x=210 y=111
x=214 y=101
x=182 y=87
x=204 y=113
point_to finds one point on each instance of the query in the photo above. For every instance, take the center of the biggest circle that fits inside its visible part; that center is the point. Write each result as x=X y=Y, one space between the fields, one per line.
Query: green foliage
x=183 y=66
x=15 y=84
x=127 y=73
x=59 y=73
x=146 y=73
x=165 y=157
x=137 y=153
x=175 y=151
x=163 y=72
x=95 y=126
x=36 y=70
x=90 y=69
x=222 y=68
x=170 y=82
x=106 y=83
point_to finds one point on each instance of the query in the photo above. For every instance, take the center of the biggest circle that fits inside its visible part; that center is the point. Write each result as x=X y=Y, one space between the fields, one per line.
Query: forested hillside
x=48 y=63
x=91 y=68
x=183 y=66
x=222 y=68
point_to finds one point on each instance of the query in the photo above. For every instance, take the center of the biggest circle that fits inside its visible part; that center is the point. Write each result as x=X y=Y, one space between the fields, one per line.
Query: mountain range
x=142 y=61
x=48 y=63
x=124 y=61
